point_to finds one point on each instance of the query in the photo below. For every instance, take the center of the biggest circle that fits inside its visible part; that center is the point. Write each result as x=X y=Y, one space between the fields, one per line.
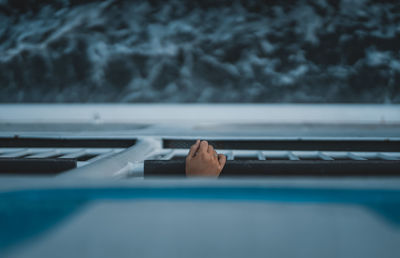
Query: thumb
x=221 y=160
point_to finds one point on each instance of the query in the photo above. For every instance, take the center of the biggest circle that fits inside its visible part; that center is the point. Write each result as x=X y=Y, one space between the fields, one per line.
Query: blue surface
x=26 y=214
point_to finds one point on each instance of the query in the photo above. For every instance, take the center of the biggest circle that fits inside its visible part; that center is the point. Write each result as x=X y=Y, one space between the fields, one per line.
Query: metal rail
x=31 y=142
x=41 y=166
x=117 y=165
x=246 y=157
x=161 y=168
x=321 y=144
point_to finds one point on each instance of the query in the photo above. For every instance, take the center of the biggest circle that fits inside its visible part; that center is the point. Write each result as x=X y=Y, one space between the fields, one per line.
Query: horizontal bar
x=16 y=154
x=15 y=142
x=101 y=156
x=117 y=165
x=387 y=157
x=354 y=156
x=324 y=156
x=230 y=155
x=74 y=155
x=384 y=145
x=35 y=166
x=261 y=155
x=376 y=114
x=283 y=168
x=45 y=154
x=291 y=156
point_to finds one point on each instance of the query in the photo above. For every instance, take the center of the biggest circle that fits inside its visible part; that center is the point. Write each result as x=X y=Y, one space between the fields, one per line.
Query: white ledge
x=201 y=113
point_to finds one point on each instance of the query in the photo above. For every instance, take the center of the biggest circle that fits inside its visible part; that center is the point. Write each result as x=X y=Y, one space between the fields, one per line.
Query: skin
x=203 y=160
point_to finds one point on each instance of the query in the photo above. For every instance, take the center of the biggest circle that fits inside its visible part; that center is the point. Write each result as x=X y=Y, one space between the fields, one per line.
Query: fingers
x=221 y=160
x=203 y=147
x=194 y=149
x=211 y=149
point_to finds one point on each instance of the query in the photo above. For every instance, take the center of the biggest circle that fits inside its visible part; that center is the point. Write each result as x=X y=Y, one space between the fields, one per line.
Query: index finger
x=203 y=147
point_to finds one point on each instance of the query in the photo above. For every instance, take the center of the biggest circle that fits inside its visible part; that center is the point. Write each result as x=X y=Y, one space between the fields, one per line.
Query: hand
x=203 y=160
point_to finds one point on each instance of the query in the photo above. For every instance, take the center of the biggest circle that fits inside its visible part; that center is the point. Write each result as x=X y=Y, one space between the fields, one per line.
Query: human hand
x=203 y=160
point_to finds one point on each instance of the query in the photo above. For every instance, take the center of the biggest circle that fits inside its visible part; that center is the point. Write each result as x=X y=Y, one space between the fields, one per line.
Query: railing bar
x=292 y=156
x=119 y=165
x=35 y=166
x=324 y=156
x=342 y=168
x=16 y=154
x=46 y=154
x=260 y=155
x=104 y=155
x=74 y=155
x=230 y=155
x=169 y=155
x=386 y=157
x=300 y=144
x=354 y=156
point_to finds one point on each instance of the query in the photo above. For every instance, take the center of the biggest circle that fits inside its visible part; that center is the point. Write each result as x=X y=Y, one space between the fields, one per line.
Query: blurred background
x=322 y=51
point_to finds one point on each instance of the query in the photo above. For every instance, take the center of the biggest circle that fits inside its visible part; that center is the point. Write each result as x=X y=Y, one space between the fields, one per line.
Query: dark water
x=200 y=51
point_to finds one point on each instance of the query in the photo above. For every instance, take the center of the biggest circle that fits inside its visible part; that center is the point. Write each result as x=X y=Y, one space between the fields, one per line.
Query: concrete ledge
x=201 y=113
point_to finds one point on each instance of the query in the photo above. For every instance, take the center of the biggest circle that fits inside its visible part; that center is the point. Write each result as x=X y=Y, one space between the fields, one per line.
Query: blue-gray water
x=200 y=51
